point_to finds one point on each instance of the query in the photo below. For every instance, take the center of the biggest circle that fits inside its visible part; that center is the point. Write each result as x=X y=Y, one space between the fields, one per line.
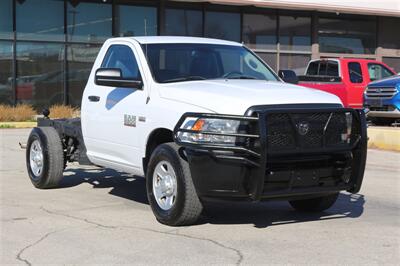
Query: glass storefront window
x=136 y=20
x=389 y=37
x=89 y=21
x=40 y=20
x=80 y=59
x=295 y=33
x=40 y=74
x=6 y=19
x=347 y=36
x=183 y=22
x=222 y=25
x=296 y=62
x=393 y=62
x=269 y=58
x=6 y=67
x=259 y=31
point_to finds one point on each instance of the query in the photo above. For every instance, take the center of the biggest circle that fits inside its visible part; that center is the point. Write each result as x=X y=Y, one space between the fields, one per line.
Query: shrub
x=19 y=113
x=63 y=111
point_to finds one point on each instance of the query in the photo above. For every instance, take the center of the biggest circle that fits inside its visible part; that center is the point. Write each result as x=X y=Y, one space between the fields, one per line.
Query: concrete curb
x=384 y=138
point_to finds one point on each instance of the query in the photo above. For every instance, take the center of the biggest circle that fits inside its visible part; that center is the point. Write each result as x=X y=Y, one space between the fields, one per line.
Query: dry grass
x=19 y=113
x=25 y=112
x=63 y=111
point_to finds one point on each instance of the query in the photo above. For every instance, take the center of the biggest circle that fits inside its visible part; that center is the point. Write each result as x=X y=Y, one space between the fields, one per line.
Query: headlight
x=202 y=131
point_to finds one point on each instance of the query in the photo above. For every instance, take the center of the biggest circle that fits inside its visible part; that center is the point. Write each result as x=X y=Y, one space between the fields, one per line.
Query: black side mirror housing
x=288 y=76
x=112 y=77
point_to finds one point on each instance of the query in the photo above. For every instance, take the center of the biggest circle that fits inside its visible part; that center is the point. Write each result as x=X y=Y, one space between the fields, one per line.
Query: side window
x=122 y=57
x=355 y=72
x=378 y=71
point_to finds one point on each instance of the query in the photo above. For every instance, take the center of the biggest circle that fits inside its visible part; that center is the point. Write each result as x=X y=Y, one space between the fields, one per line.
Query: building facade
x=47 y=47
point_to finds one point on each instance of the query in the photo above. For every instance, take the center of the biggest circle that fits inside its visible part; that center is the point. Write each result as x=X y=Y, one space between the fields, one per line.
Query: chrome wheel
x=36 y=158
x=164 y=185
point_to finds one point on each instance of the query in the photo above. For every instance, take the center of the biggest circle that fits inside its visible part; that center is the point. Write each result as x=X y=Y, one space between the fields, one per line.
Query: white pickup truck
x=204 y=119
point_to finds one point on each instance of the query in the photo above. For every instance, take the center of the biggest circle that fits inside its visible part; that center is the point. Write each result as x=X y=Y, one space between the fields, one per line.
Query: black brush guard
x=256 y=169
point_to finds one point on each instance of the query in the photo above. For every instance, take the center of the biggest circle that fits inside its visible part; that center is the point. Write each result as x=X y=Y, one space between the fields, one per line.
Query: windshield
x=173 y=62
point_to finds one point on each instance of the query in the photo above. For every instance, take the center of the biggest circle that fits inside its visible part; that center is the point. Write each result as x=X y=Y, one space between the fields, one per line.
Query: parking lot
x=102 y=217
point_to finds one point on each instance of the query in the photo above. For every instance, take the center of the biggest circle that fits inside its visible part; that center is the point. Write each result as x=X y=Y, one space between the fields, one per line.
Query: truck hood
x=236 y=96
x=387 y=82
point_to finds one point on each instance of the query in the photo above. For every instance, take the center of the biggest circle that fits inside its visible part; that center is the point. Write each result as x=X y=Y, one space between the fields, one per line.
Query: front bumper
x=383 y=114
x=252 y=170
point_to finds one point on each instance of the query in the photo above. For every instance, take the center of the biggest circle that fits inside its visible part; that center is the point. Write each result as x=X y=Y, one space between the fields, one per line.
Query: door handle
x=94 y=98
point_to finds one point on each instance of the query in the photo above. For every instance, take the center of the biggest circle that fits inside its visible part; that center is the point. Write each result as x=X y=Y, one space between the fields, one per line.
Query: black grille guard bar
x=255 y=152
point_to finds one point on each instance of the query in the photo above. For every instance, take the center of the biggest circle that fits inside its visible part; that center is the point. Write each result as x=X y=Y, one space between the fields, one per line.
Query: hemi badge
x=142 y=119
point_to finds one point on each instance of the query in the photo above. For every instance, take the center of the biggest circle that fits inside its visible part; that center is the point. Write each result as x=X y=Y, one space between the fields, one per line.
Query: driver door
x=112 y=135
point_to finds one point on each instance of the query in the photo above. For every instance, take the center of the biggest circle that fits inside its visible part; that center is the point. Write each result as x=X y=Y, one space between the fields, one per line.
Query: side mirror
x=288 y=76
x=112 y=77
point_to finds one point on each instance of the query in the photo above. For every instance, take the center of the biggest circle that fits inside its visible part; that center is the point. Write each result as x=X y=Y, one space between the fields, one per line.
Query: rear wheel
x=44 y=157
x=315 y=204
x=170 y=189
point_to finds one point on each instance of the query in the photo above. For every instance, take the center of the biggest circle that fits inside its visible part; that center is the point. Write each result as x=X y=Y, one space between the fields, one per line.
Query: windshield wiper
x=188 y=78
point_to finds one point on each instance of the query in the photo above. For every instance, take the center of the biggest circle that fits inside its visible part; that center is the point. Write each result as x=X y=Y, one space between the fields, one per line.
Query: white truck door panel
x=112 y=134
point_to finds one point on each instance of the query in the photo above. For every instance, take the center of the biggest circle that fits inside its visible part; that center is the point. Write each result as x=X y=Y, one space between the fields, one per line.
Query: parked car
x=204 y=119
x=346 y=77
x=382 y=101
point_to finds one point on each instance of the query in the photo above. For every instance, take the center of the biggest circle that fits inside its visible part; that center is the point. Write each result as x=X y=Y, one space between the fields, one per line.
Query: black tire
x=315 y=204
x=187 y=207
x=53 y=158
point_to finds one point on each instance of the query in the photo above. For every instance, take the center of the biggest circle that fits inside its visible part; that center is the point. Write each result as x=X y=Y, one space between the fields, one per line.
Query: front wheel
x=44 y=157
x=170 y=189
x=315 y=204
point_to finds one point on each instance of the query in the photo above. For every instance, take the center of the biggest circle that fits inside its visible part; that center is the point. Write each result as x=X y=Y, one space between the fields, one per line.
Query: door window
x=378 y=71
x=122 y=57
x=355 y=72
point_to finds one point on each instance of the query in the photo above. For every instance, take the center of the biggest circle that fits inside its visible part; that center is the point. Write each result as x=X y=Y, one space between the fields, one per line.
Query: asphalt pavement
x=103 y=217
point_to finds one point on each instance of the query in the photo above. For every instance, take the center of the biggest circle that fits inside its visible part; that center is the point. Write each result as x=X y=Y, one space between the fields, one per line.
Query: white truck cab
x=204 y=118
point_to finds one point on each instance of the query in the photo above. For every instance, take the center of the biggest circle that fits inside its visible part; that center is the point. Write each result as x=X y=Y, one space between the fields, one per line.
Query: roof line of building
x=382 y=8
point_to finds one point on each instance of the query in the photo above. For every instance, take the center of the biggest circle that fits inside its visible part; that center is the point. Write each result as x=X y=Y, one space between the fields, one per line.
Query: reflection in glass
x=259 y=31
x=296 y=62
x=183 y=22
x=295 y=33
x=389 y=37
x=6 y=57
x=222 y=25
x=136 y=20
x=88 y=21
x=39 y=74
x=40 y=19
x=393 y=62
x=347 y=36
x=80 y=59
x=6 y=20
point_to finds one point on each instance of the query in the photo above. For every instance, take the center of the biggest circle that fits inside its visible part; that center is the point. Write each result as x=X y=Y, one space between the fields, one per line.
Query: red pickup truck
x=347 y=78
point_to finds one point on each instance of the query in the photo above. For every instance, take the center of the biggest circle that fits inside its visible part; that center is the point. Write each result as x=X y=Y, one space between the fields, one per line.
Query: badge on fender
x=129 y=120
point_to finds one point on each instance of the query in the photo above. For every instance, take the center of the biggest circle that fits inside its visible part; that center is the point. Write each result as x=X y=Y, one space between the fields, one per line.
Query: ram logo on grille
x=303 y=128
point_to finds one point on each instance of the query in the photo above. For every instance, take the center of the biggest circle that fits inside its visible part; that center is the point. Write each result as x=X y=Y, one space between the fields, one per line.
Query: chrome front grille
x=381 y=92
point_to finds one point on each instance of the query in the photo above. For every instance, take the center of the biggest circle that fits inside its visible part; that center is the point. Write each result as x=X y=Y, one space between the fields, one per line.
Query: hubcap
x=164 y=185
x=36 y=158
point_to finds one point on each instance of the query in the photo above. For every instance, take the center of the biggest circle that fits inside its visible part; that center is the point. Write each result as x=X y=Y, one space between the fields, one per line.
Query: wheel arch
x=156 y=137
